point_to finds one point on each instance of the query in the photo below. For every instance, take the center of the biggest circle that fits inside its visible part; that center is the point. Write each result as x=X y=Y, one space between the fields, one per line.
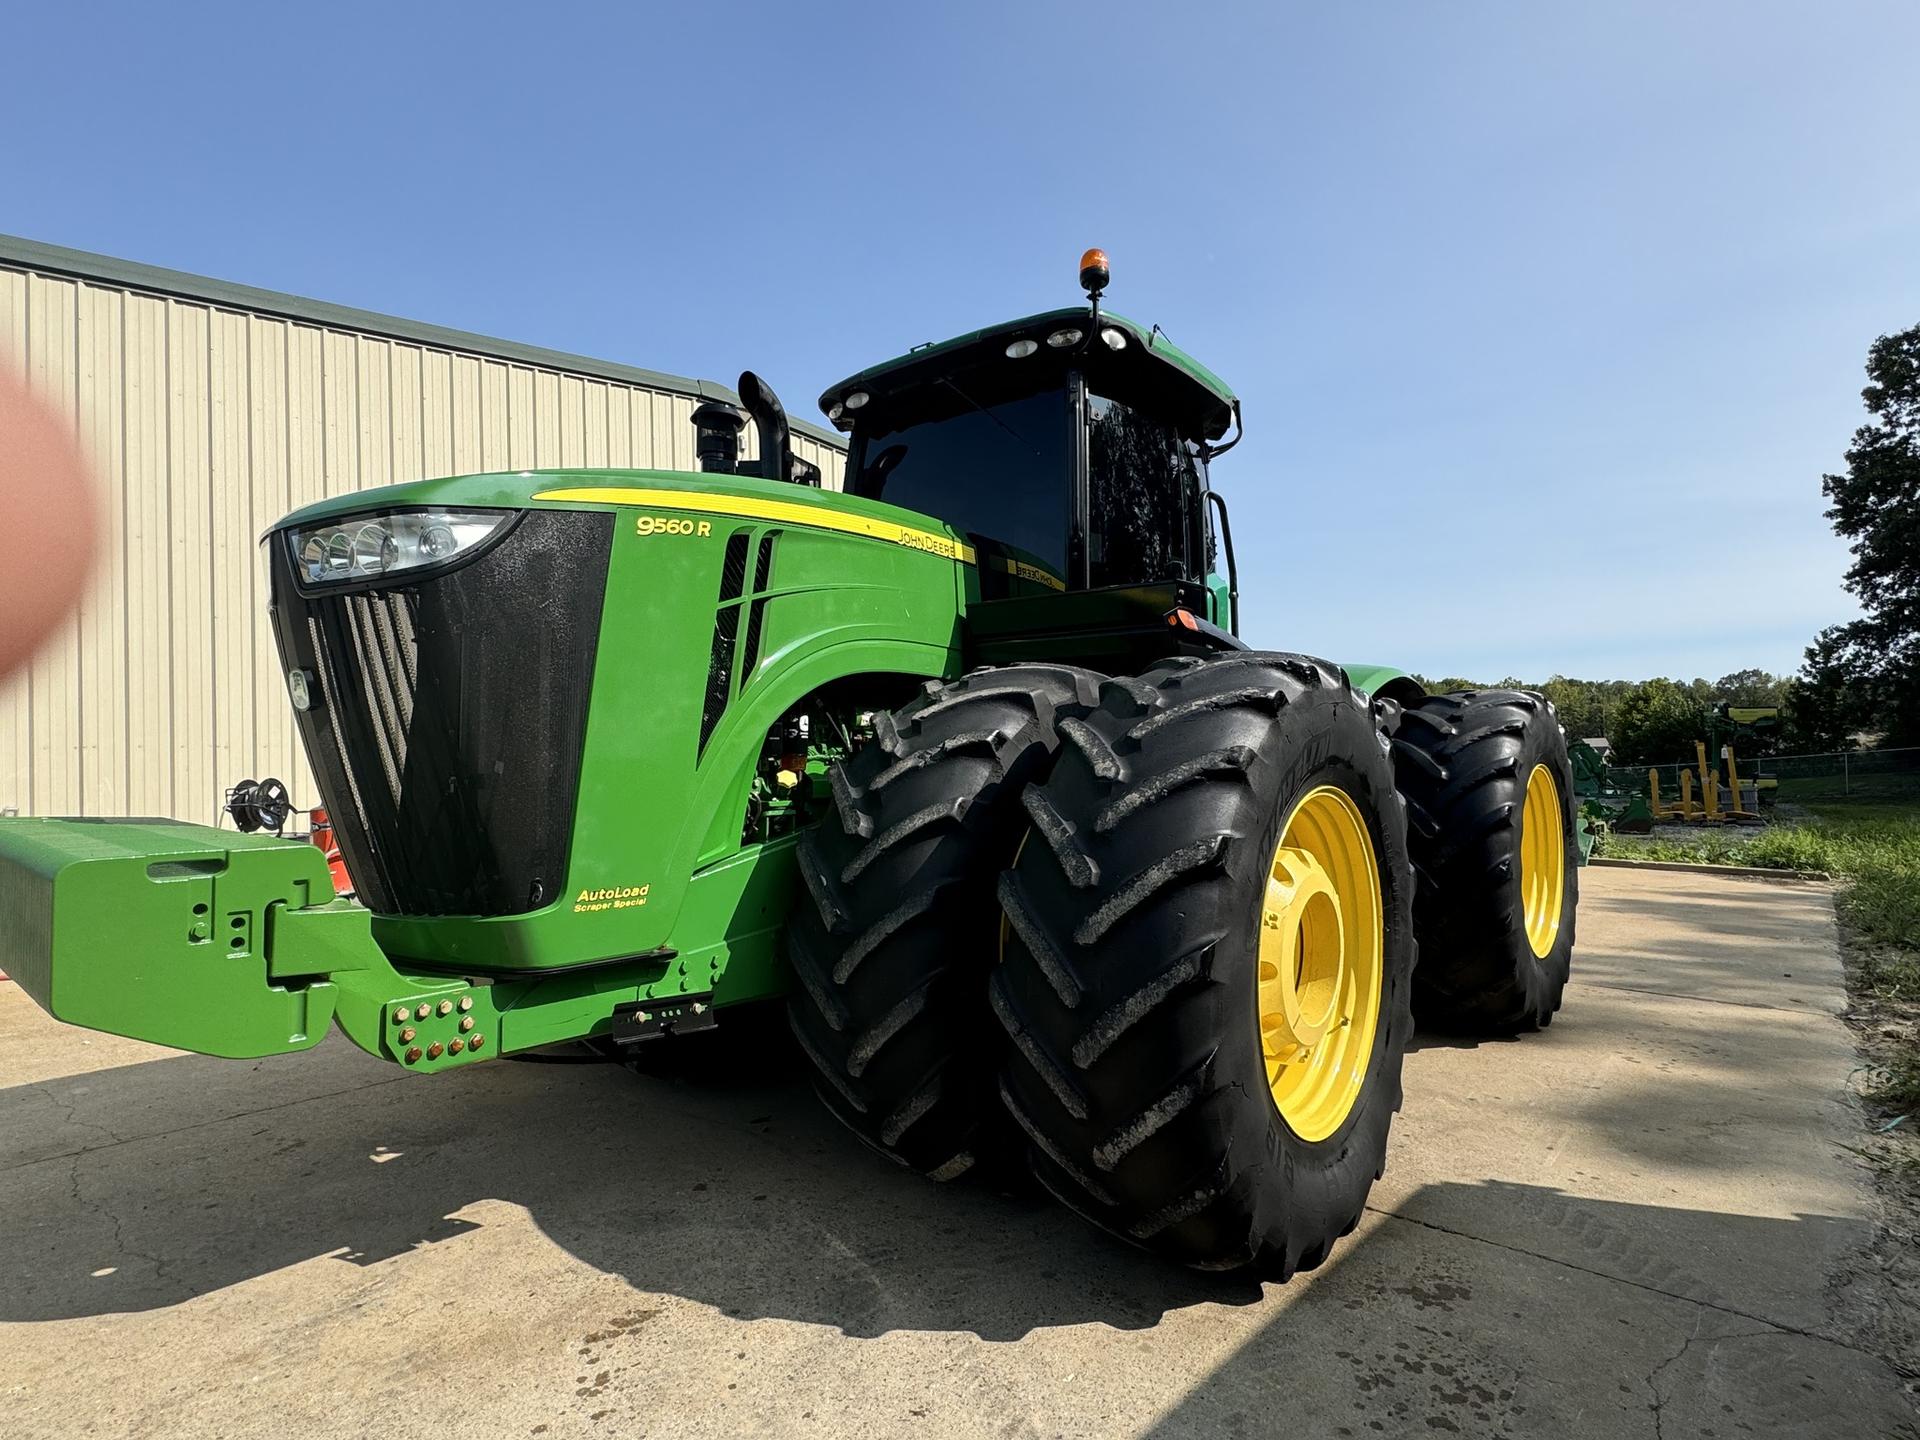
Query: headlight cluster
x=365 y=546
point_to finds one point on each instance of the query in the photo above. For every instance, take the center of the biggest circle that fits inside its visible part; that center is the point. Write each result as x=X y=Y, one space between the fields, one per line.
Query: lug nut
x=413 y=1054
x=476 y=1042
x=466 y=1003
x=466 y=1023
x=455 y=1046
x=406 y=1035
x=424 y=1011
x=446 y=1007
x=400 y=1016
x=434 y=1050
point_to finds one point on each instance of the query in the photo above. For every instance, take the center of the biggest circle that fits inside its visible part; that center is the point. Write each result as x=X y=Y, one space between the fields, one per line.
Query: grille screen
x=451 y=715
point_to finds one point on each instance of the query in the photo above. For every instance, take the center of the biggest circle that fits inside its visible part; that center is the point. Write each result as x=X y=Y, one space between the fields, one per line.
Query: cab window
x=1142 y=493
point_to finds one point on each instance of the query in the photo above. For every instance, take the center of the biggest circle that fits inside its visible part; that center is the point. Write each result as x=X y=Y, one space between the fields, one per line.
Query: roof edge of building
x=20 y=253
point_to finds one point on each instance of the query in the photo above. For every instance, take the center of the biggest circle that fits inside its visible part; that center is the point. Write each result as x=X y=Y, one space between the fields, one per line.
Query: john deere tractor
x=966 y=765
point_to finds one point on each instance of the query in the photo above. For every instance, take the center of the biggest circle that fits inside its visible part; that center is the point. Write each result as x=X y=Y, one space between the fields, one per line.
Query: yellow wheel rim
x=1322 y=943
x=1543 y=860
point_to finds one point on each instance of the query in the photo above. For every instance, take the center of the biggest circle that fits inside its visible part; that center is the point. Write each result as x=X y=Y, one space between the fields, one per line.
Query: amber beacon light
x=1093 y=272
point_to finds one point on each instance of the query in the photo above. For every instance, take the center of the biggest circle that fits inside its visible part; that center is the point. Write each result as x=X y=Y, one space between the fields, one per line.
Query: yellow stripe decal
x=786 y=512
x=1026 y=571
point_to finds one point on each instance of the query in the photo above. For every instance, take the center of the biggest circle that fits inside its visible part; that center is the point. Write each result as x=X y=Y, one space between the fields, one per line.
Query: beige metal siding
x=205 y=423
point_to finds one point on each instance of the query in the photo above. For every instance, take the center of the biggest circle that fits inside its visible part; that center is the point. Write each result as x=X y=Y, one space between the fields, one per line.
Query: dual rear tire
x=1490 y=810
x=894 y=938
x=1188 y=900
x=1207 y=962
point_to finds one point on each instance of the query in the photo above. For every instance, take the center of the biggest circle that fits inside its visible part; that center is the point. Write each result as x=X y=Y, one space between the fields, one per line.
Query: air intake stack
x=717 y=428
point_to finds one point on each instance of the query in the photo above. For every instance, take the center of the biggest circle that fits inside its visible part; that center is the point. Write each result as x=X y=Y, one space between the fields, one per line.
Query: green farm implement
x=966 y=766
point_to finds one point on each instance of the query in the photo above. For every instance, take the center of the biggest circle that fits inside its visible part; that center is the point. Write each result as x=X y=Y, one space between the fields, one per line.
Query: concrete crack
x=1652 y=1381
x=121 y=1250
x=1802 y=1010
x=1774 y=1326
x=196 y=1125
x=69 y=1113
x=1653 y=1376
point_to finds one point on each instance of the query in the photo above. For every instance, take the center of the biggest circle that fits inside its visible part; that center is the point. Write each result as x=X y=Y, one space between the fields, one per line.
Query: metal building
x=208 y=411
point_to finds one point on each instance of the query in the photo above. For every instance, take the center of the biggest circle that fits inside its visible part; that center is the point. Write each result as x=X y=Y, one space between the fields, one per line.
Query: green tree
x=1873 y=664
x=1656 y=722
x=1830 y=703
x=1583 y=705
x=1751 y=688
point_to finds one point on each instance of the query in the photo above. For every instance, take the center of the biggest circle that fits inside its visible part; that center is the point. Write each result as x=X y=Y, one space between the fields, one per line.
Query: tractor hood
x=538 y=722
x=739 y=496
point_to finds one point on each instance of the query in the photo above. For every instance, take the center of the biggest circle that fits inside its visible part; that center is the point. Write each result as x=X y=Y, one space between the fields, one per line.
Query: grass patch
x=1899 y=787
x=1871 y=846
x=1897 y=1088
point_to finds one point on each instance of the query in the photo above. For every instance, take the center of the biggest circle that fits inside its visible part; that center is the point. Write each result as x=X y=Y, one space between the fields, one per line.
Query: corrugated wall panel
x=660 y=432
x=436 y=414
x=16 y=692
x=496 y=416
x=520 y=419
x=372 y=358
x=408 y=457
x=596 y=424
x=340 y=412
x=269 y=452
x=205 y=423
x=54 y=674
x=619 y=429
x=546 y=420
x=230 y=578
x=571 y=408
x=148 y=560
x=306 y=483
x=469 y=433
x=196 y=789
x=100 y=374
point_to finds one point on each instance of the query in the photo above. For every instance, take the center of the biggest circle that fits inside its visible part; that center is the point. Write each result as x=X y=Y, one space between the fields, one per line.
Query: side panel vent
x=762 y=573
x=726 y=626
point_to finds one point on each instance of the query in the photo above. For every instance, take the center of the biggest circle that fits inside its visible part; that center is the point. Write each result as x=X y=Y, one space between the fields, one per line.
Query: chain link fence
x=1862 y=775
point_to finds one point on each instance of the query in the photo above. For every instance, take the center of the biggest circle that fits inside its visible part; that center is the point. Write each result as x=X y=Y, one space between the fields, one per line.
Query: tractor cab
x=1071 y=448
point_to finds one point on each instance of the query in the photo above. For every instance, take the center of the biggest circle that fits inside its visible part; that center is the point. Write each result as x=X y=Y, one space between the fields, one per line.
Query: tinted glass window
x=997 y=469
x=1141 y=489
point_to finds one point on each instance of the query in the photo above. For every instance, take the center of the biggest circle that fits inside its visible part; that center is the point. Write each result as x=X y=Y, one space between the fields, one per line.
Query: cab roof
x=1197 y=399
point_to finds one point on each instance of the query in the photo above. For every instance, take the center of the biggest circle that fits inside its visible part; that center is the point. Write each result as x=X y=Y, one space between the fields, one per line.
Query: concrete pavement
x=1629 y=1225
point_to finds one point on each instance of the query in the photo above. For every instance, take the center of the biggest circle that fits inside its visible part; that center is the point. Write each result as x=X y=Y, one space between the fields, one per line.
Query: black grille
x=450 y=717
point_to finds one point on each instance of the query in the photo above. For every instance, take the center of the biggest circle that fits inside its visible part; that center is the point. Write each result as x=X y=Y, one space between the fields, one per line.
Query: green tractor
x=966 y=766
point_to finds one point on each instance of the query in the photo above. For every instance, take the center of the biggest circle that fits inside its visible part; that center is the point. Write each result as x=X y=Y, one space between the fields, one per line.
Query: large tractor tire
x=893 y=940
x=1490 y=810
x=1206 y=962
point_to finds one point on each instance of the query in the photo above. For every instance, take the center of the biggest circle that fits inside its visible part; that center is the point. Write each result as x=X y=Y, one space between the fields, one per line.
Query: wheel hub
x=1321 y=961
x=1543 y=861
x=1302 y=954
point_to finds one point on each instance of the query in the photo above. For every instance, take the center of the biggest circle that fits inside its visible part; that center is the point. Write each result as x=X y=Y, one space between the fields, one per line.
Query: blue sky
x=1547 y=318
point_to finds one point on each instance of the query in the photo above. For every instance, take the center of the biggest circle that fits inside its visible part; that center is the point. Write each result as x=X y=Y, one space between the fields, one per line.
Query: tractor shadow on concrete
x=712 y=1174
x=714 y=1177
x=1550 y=1315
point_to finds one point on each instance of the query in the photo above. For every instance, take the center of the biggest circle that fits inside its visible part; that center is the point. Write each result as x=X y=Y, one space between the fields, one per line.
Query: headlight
x=365 y=546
